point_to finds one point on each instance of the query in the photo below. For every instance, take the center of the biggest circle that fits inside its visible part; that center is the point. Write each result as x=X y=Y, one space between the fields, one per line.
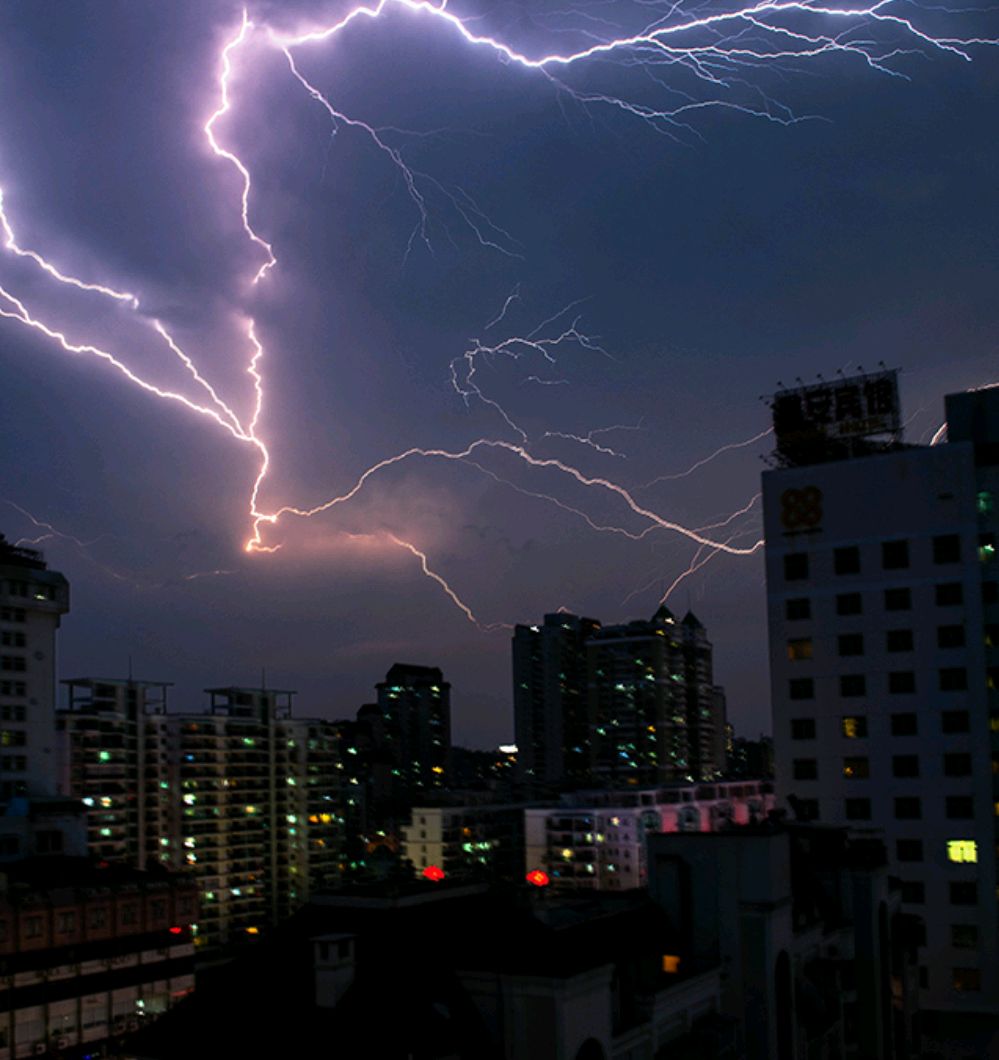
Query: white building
x=883 y=600
x=596 y=840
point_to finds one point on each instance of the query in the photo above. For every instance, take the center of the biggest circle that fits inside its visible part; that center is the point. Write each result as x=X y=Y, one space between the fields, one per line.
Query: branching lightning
x=698 y=60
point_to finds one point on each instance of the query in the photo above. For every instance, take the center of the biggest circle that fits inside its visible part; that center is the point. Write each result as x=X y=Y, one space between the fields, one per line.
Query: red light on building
x=433 y=872
x=538 y=878
x=176 y=930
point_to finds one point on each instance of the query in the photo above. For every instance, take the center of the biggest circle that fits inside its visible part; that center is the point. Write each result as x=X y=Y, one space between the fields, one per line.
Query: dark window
x=963 y=892
x=954 y=721
x=964 y=936
x=957 y=764
x=801 y=688
x=805 y=769
x=807 y=809
x=898 y=600
x=990 y=592
x=854 y=726
x=904 y=724
x=800 y=649
x=959 y=807
x=799 y=608
x=858 y=809
x=953 y=679
x=909 y=849
x=852 y=685
x=901 y=682
x=913 y=891
x=950 y=594
x=849 y=604
x=908 y=808
x=905 y=766
x=950 y=636
x=947 y=548
x=898 y=640
x=894 y=555
x=856 y=768
x=796 y=566
x=802 y=728
x=851 y=644
x=846 y=560
x=966 y=979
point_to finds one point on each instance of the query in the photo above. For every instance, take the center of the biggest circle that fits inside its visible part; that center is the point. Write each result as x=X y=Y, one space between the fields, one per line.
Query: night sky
x=707 y=261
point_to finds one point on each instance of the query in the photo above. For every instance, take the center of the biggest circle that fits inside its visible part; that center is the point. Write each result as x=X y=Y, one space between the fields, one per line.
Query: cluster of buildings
x=627 y=881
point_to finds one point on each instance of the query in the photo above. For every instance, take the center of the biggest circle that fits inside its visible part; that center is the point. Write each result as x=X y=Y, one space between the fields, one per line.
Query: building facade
x=883 y=609
x=33 y=600
x=597 y=840
x=552 y=725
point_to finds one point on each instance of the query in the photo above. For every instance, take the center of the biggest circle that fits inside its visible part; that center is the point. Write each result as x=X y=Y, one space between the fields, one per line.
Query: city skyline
x=783 y=251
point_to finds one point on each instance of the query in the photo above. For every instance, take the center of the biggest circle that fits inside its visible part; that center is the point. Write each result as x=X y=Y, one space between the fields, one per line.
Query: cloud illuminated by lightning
x=716 y=51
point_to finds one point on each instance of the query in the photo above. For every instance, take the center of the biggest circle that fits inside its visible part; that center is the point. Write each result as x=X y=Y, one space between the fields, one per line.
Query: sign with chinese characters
x=857 y=407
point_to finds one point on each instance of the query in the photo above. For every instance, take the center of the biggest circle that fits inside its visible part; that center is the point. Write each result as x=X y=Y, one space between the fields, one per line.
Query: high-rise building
x=112 y=756
x=703 y=701
x=883 y=603
x=415 y=702
x=552 y=724
x=33 y=600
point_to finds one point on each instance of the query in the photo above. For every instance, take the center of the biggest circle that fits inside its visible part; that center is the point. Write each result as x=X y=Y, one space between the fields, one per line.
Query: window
x=963 y=892
x=798 y=608
x=964 y=936
x=12 y=639
x=898 y=600
x=957 y=764
x=966 y=979
x=796 y=566
x=851 y=644
x=953 y=679
x=904 y=724
x=947 y=548
x=12 y=663
x=805 y=769
x=913 y=891
x=66 y=923
x=901 y=682
x=909 y=849
x=954 y=721
x=950 y=636
x=856 y=768
x=959 y=807
x=802 y=728
x=858 y=809
x=801 y=688
x=806 y=809
x=908 y=808
x=894 y=555
x=990 y=592
x=849 y=604
x=898 y=640
x=986 y=546
x=962 y=851
x=846 y=560
x=33 y=927
x=852 y=685
x=129 y=914
x=950 y=594
x=800 y=649
x=905 y=766
x=854 y=726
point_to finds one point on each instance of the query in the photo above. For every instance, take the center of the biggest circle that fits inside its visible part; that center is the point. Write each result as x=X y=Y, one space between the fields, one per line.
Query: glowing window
x=962 y=850
x=799 y=649
x=671 y=963
x=539 y=878
x=855 y=727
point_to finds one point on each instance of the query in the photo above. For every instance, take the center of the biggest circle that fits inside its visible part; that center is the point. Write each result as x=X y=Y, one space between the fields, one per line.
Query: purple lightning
x=717 y=50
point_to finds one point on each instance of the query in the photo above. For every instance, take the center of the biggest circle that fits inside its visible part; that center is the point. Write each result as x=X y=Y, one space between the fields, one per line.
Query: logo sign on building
x=840 y=411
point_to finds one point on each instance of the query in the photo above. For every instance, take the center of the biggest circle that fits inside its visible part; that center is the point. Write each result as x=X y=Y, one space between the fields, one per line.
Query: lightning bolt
x=716 y=51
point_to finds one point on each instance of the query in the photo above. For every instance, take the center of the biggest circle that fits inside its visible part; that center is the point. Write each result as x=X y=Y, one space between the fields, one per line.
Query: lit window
x=799 y=649
x=854 y=727
x=855 y=768
x=671 y=963
x=962 y=850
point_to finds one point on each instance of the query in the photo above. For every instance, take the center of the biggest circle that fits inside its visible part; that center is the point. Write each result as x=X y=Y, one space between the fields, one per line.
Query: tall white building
x=883 y=608
x=33 y=599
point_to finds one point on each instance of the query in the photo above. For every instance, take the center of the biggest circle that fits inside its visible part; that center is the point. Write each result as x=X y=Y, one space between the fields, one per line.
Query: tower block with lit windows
x=883 y=606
